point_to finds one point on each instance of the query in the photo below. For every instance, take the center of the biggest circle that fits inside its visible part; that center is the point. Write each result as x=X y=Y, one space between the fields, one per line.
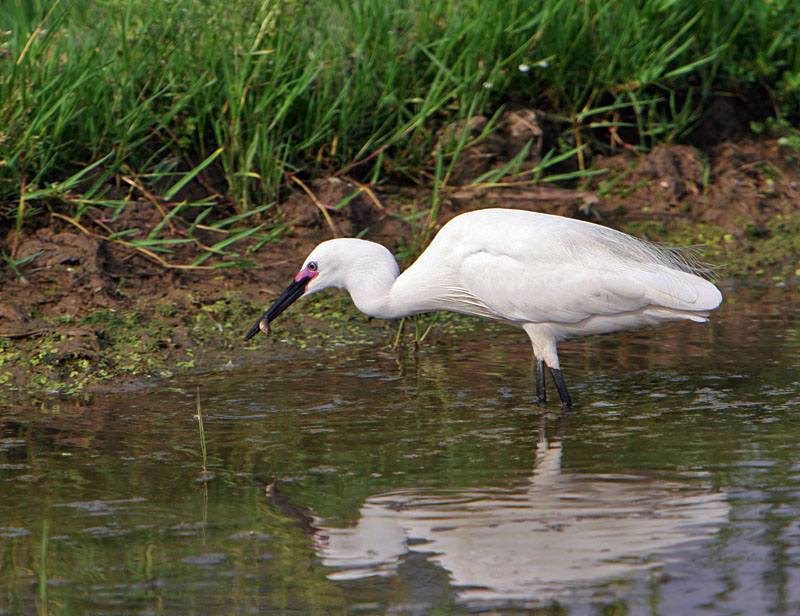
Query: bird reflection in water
x=556 y=533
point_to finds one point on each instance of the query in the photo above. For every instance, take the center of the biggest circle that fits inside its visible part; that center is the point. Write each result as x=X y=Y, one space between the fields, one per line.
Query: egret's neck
x=370 y=274
x=387 y=294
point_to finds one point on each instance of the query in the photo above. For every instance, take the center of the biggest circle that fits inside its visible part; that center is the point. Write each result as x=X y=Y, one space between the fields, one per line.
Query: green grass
x=208 y=109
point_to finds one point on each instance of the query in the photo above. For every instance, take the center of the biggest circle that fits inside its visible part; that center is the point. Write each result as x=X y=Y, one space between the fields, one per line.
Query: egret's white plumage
x=554 y=277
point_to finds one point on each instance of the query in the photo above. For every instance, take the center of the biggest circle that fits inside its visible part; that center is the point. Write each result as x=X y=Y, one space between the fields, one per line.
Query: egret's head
x=343 y=263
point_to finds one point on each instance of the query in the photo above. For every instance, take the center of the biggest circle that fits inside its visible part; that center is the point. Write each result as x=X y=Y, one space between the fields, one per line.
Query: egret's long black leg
x=541 y=391
x=558 y=378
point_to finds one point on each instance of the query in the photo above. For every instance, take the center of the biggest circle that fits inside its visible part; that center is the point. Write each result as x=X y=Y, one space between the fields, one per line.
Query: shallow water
x=365 y=481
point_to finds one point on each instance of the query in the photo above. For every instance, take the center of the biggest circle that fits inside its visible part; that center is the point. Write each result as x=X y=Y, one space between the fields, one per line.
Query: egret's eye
x=312 y=266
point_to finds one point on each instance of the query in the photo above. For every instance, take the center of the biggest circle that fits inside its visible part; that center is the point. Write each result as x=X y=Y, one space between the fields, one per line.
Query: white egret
x=551 y=276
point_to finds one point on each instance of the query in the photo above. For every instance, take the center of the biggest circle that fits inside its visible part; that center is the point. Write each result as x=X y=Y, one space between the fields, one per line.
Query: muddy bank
x=84 y=312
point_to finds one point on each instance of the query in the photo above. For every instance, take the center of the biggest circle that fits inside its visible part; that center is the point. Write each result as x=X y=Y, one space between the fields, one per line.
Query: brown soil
x=737 y=189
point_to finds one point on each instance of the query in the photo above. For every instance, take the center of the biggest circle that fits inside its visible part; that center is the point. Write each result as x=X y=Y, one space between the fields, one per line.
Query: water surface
x=367 y=481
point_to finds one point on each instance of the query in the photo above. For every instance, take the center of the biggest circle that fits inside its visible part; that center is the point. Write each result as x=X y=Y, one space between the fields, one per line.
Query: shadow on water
x=425 y=484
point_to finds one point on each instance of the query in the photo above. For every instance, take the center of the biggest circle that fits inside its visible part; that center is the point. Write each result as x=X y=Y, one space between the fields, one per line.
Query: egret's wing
x=539 y=288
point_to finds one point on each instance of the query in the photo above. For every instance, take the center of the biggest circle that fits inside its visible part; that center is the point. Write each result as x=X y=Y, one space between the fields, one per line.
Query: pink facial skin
x=307 y=272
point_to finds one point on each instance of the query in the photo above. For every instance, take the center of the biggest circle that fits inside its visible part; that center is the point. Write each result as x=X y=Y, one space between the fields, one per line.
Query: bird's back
x=520 y=266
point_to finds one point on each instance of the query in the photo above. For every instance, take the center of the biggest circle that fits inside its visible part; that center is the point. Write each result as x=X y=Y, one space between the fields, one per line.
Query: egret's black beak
x=290 y=295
